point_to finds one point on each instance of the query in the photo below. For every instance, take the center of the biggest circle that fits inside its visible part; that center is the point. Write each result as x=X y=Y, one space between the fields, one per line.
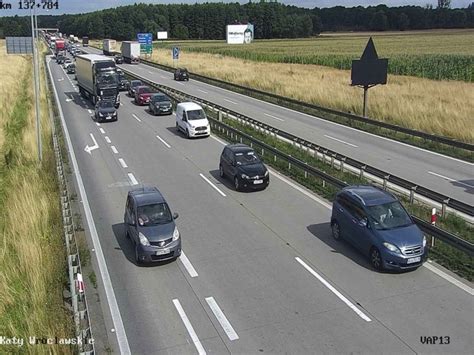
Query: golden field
x=32 y=256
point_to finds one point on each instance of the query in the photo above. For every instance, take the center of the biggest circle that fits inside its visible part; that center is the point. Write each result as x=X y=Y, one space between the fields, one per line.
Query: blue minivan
x=376 y=223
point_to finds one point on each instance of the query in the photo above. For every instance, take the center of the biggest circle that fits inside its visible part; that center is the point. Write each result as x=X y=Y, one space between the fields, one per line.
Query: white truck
x=97 y=78
x=131 y=52
x=108 y=46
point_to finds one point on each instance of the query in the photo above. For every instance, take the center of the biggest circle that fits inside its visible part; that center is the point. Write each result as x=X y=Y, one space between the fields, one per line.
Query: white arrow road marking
x=91 y=148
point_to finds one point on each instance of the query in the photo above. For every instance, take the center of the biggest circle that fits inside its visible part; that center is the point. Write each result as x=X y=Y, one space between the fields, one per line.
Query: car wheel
x=376 y=259
x=187 y=134
x=236 y=184
x=221 y=171
x=336 y=231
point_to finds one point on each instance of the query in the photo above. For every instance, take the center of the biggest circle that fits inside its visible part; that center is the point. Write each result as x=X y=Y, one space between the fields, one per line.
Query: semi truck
x=108 y=46
x=59 y=46
x=97 y=78
x=131 y=52
x=85 y=41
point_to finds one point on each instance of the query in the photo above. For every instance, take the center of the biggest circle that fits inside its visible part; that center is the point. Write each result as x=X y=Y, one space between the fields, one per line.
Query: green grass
x=438 y=55
x=446 y=255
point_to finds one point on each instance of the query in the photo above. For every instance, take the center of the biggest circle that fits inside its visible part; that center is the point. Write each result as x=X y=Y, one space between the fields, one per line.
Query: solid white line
x=161 y=139
x=132 y=179
x=232 y=102
x=189 y=327
x=352 y=145
x=225 y=324
x=214 y=186
x=107 y=139
x=122 y=162
x=104 y=273
x=205 y=92
x=449 y=278
x=336 y=124
x=336 y=292
x=90 y=111
x=219 y=140
x=187 y=264
x=114 y=149
x=102 y=130
x=277 y=118
x=450 y=179
x=135 y=117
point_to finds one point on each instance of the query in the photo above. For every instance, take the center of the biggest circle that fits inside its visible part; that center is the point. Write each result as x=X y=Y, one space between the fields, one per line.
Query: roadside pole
x=36 y=82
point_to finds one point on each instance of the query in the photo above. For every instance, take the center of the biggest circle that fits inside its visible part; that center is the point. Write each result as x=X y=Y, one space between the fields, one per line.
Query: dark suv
x=132 y=85
x=181 y=74
x=150 y=225
x=375 y=223
x=160 y=104
x=240 y=163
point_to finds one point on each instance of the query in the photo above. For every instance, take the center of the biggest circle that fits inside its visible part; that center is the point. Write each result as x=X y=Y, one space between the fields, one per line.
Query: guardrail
x=291 y=103
x=76 y=297
x=265 y=150
x=364 y=169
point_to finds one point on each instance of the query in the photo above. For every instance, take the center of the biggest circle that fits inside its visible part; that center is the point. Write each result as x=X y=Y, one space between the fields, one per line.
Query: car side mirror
x=175 y=215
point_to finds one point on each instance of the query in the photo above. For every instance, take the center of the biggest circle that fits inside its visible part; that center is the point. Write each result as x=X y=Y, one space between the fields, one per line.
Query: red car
x=142 y=95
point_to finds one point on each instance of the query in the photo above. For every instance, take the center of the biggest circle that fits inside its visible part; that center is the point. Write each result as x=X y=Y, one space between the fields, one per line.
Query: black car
x=60 y=59
x=160 y=104
x=123 y=82
x=118 y=59
x=71 y=69
x=133 y=84
x=240 y=163
x=181 y=74
x=105 y=111
x=150 y=226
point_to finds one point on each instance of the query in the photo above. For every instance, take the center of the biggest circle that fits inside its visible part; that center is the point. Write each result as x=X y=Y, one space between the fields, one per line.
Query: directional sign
x=92 y=147
x=176 y=51
x=146 y=42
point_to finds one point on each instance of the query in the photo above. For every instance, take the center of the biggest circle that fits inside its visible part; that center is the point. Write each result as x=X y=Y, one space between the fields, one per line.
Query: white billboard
x=239 y=34
x=162 y=35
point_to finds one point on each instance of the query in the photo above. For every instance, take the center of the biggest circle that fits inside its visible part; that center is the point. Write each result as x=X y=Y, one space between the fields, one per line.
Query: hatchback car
x=143 y=94
x=375 y=222
x=71 y=68
x=181 y=74
x=240 y=163
x=132 y=85
x=105 y=111
x=160 y=104
x=151 y=227
x=118 y=59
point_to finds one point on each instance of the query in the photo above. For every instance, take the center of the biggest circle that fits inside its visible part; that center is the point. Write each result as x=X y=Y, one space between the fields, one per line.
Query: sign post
x=369 y=71
x=175 y=52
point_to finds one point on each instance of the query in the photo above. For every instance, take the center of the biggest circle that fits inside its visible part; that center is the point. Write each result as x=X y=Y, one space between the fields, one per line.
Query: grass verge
x=32 y=260
x=446 y=255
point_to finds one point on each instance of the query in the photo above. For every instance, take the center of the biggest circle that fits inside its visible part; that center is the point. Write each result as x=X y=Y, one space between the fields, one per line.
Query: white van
x=192 y=120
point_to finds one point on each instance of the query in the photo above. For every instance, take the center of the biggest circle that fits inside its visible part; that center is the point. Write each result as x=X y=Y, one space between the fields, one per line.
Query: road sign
x=176 y=51
x=146 y=42
x=19 y=45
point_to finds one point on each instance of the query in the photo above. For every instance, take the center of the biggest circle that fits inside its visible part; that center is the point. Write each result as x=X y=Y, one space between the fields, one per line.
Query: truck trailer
x=85 y=41
x=131 y=52
x=59 y=46
x=97 y=78
x=108 y=46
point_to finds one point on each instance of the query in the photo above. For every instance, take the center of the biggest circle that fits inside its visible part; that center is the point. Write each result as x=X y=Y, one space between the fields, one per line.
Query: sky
x=78 y=6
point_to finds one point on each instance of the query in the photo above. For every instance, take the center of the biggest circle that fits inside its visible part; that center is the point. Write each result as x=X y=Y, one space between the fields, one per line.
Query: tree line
x=270 y=19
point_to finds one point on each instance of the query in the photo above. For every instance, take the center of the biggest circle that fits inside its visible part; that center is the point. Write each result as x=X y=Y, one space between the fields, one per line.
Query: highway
x=262 y=273
x=446 y=175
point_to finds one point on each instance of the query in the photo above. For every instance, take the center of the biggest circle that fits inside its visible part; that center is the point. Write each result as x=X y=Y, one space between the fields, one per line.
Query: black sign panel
x=19 y=45
x=369 y=70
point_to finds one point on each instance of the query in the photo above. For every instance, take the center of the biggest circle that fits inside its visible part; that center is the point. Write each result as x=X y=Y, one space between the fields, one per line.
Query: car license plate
x=414 y=260
x=163 y=251
x=256 y=182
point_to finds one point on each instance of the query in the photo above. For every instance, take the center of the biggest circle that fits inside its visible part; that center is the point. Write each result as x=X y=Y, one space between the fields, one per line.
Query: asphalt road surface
x=446 y=175
x=262 y=273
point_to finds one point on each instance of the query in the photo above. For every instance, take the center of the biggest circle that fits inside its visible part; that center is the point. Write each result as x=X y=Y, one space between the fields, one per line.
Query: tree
x=181 y=32
x=403 y=21
x=379 y=21
x=444 y=4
